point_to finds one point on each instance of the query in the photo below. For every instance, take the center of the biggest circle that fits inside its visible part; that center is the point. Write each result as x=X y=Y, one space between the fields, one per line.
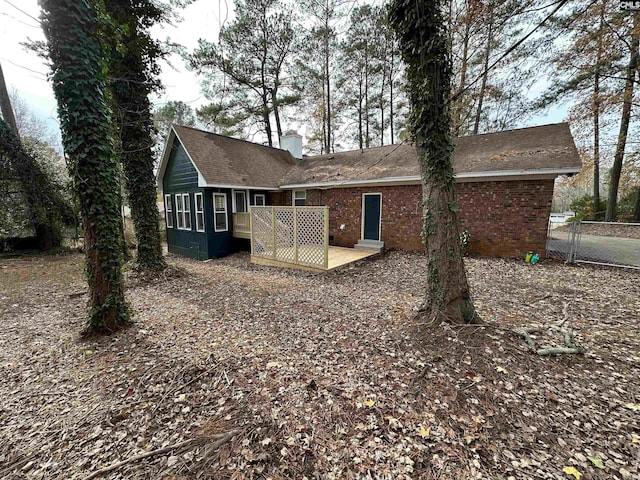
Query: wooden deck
x=338 y=257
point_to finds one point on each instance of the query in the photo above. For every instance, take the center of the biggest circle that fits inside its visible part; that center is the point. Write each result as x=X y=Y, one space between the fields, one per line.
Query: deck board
x=338 y=257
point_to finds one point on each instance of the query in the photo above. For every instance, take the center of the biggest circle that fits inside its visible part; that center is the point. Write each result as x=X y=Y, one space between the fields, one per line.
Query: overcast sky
x=27 y=73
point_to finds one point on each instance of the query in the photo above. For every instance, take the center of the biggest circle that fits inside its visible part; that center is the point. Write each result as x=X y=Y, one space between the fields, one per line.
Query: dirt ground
x=319 y=376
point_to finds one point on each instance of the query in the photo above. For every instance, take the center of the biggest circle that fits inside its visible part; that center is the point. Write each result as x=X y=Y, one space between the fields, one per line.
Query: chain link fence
x=603 y=243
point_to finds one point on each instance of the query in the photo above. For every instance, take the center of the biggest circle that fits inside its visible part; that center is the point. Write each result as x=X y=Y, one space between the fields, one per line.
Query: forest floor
x=319 y=376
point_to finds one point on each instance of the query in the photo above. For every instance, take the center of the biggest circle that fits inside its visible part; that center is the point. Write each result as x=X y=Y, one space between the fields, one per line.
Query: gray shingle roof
x=533 y=148
x=229 y=161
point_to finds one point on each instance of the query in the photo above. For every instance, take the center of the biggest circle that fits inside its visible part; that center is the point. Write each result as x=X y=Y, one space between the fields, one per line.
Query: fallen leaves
x=573 y=472
x=323 y=373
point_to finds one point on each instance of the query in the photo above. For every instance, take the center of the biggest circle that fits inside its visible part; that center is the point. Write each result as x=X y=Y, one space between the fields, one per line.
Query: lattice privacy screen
x=296 y=235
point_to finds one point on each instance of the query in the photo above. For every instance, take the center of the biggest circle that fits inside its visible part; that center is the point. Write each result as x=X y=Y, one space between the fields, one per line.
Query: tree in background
x=133 y=76
x=31 y=195
x=79 y=83
x=582 y=71
x=318 y=63
x=423 y=38
x=251 y=54
x=174 y=111
x=30 y=191
x=490 y=89
x=630 y=74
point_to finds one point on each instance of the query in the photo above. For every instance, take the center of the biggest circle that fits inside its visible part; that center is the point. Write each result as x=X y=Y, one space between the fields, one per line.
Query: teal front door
x=371 y=209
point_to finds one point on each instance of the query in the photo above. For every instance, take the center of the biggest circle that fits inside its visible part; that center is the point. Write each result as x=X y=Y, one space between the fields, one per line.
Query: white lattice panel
x=290 y=234
x=311 y=241
x=283 y=218
x=262 y=231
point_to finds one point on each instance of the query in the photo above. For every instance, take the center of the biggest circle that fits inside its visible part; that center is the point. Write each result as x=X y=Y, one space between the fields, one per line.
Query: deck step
x=369 y=245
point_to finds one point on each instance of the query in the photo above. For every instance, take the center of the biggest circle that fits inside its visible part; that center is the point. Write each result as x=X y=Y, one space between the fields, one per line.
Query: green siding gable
x=181 y=177
x=180 y=174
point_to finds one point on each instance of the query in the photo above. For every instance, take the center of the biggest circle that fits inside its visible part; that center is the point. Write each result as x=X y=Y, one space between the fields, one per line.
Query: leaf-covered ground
x=324 y=376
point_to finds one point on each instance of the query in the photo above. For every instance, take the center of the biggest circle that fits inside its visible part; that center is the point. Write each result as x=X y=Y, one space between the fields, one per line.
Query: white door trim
x=379 y=219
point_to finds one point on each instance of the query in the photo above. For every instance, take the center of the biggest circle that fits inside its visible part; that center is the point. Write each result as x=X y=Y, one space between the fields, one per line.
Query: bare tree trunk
x=596 y=142
x=485 y=73
x=612 y=204
x=360 y=135
x=5 y=106
x=457 y=122
x=366 y=95
x=276 y=109
x=326 y=76
x=596 y=121
x=636 y=213
x=391 y=99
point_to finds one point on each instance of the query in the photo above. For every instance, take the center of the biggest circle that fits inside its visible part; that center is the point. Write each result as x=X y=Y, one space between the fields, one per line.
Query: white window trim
x=201 y=211
x=233 y=199
x=168 y=211
x=187 y=209
x=262 y=196
x=379 y=219
x=293 y=197
x=226 y=213
x=179 y=211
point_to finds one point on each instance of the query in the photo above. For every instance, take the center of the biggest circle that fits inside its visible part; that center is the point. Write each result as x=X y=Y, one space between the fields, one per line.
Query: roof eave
x=236 y=187
x=493 y=175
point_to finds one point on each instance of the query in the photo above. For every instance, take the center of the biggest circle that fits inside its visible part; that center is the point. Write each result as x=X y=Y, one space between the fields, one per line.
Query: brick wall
x=505 y=219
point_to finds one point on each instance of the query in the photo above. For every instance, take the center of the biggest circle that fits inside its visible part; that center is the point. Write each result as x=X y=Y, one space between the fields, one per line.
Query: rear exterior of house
x=203 y=220
x=505 y=218
x=192 y=228
x=504 y=189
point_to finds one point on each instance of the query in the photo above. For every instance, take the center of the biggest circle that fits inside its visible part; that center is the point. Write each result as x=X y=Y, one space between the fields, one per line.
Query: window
x=299 y=198
x=179 y=212
x=240 y=201
x=187 y=211
x=220 y=212
x=199 y=212
x=259 y=200
x=168 y=211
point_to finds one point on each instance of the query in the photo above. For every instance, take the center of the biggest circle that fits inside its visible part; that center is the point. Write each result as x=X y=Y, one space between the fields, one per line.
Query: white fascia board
x=539 y=172
x=351 y=183
x=543 y=173
x=164 y=158
x=235 y=187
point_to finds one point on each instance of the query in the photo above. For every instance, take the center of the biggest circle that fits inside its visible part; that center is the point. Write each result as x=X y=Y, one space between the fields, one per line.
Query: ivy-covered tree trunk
x=133 y=69
x=46 y=208
x=422 y=34
x=79 y=84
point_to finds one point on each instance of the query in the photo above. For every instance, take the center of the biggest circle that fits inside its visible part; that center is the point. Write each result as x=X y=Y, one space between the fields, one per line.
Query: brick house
x=504 y=188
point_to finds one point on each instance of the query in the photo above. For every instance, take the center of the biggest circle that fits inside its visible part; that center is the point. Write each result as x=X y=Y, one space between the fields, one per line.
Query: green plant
x=464 y=238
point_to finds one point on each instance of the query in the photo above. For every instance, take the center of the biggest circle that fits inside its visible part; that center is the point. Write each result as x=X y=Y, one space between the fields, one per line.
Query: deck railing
x=298 y=235
x=242 y=224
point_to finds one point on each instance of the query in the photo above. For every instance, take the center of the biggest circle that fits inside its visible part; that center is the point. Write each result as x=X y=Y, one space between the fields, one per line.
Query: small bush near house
x=464 y=237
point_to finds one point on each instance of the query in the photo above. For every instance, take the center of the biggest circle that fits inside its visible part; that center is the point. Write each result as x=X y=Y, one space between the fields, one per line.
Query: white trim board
x=495 y=175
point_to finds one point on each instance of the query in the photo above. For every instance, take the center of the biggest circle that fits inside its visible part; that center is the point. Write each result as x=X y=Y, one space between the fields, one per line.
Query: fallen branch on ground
x=220 y=440
x=569 y=338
